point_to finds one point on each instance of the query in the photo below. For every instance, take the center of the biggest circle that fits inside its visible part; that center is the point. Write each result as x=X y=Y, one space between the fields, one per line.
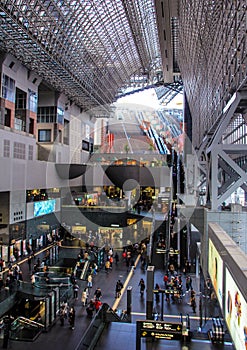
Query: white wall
x=17 y=208
x=22 y=137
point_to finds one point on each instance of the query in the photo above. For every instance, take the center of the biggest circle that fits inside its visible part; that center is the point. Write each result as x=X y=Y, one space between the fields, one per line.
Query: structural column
x=150 y=294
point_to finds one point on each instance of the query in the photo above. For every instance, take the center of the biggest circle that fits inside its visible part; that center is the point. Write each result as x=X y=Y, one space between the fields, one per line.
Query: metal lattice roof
x=87 y=49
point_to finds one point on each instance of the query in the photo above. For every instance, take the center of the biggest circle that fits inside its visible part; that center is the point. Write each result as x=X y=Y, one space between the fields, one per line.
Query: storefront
x=111 y=235
x=78 y=229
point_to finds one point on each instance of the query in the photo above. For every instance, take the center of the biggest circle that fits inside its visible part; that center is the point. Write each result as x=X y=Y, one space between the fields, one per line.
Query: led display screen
x=215 y=270
x=235 y=313
x=44 y=207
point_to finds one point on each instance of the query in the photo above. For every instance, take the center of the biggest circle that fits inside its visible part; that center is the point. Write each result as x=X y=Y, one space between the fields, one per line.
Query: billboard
x=215 y=270
x=44 y=207
x=235 y=313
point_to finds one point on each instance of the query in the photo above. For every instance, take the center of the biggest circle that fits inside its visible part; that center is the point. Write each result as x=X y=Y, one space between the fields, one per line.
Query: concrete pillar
x=150 y=294
x=129 y=300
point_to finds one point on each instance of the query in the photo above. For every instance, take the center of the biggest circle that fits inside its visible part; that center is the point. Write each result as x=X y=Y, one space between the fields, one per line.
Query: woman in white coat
x=84 y=297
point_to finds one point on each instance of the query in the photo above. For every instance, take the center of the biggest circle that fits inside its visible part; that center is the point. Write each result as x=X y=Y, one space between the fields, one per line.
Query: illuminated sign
x=235 y=313
x=215 y=270
x=166 y=291
x=44 y=207
x=160 y=251
x=159 y=330
x=172 y=251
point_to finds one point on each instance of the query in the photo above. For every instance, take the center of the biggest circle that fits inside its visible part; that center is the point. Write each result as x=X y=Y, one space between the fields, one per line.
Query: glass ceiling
x=91 y=50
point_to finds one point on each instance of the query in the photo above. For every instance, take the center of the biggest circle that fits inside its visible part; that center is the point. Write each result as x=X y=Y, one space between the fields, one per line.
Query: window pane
x=44 y=136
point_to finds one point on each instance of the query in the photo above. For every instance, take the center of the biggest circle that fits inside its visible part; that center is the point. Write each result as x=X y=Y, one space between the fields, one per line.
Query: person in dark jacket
x=142 y=286
x=118 y=288
x=72 y=317
x=90 y=308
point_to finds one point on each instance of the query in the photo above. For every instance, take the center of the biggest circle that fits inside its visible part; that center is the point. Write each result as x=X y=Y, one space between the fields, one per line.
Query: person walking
x=33 y=280
x=188 y=283
x=72 y=278
x=118 y=288
x=90 y=308
x=29 y=261
x=75 y=290
x=157 y=294
x=97 y=305
x=90 y=281
x=111 y=261
x=166 y=280
x=19 y=278
x=62 y=314
x=98 y=294
x=193 y=303
x=72 y=317
x=142 y=286
x=107 y=266
x=84 y=296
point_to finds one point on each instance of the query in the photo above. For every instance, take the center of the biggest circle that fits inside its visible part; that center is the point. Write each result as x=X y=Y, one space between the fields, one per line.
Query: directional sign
x=159 y=330
x=166 y=291
x=160 y=251
x=174 y=252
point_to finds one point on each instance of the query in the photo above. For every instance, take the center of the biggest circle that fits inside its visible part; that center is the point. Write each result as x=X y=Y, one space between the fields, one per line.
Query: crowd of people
x=12 y=279
x=91 y=299
x=67 y=313
x=176 y=285
x=173 y=289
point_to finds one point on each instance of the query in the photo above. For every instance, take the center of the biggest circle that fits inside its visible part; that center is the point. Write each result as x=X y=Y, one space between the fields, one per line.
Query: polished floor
x=122 y=336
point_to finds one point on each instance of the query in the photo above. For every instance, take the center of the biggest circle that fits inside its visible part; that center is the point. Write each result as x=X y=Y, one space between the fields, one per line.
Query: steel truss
x=212 y=58
x=223 y=154
x=88 y=50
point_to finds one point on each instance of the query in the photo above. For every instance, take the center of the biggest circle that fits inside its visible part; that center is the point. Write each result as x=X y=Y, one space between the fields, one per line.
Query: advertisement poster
x=44 y=207
x=24 y=247
x=235 y=313
x=215 y=270
x=5 y=250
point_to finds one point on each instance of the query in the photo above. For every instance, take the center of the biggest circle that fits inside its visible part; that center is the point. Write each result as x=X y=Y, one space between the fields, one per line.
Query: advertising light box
x=44 y=207
x=215 y=270
x=235 y=313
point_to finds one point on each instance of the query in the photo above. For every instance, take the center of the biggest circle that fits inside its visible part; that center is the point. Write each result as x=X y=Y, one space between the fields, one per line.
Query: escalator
x=24 y=329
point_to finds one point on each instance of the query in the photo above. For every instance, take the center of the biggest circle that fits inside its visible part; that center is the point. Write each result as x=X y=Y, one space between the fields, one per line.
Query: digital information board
x=157 y=330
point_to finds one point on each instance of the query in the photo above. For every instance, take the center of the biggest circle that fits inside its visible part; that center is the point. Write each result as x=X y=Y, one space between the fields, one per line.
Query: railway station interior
x=123 y=159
